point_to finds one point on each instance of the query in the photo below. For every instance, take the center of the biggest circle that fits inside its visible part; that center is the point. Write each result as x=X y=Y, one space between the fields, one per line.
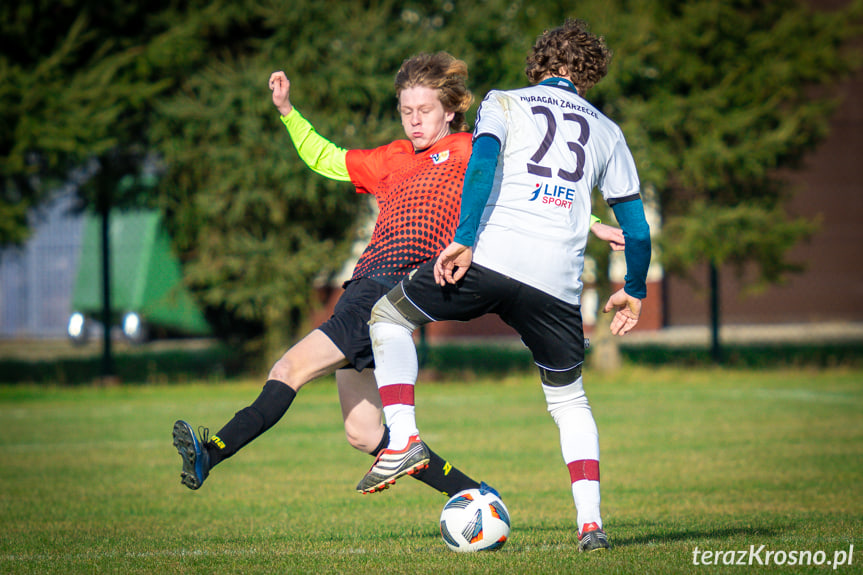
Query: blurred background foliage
x=715 y=97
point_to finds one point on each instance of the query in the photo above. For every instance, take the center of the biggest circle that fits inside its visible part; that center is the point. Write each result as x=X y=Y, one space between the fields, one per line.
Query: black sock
x=249 y=423
x=385 y=440
x=444 y=477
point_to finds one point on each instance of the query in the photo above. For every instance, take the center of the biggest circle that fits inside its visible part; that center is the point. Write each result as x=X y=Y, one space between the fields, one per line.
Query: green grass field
x=718 y=460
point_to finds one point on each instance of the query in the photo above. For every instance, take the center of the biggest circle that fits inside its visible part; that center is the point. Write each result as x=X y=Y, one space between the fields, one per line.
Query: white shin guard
x=568 y=406
x=395 y=354
x=395 y=364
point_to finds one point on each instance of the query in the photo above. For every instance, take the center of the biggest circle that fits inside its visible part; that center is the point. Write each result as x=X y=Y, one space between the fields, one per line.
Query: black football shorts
x=551 y=328
x=348 y=327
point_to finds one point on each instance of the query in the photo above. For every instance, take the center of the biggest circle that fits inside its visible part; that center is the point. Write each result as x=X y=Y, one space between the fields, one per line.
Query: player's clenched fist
x=281 y=87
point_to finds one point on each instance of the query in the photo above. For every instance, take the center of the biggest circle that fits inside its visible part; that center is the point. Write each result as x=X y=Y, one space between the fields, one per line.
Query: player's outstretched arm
x=627 y=314
x=281 y=87
x=318 y=153
x=452 y=263
x=610 y=234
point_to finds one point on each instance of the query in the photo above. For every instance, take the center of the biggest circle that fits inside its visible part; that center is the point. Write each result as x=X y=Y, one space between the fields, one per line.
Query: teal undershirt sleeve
x=636 y=232
x=478 y=181
x=318 y=153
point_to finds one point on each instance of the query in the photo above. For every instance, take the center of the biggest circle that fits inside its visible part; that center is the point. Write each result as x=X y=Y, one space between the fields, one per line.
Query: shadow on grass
x=657 y=534
x=692 y=535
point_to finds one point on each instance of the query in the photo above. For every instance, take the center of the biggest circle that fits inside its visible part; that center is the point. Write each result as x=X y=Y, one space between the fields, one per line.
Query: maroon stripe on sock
x=583 y=469
x=399 y=394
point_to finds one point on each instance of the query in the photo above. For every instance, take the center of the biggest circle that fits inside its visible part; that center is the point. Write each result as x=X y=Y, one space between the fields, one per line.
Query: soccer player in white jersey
x=518 y=252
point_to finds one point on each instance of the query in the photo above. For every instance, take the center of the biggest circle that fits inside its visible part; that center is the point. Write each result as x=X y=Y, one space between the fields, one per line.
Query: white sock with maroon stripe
x=400 y=413
x=396 y=371
x=585 y=493
x=579 y=443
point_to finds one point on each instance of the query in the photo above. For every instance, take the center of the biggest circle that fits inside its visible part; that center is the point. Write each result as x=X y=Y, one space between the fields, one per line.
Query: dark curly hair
x=442 y=72
x=569 y=51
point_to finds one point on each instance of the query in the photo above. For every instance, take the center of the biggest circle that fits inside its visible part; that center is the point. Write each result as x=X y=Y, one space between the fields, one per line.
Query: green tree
x=79 y=83
x=77 y=86
x=716 y=98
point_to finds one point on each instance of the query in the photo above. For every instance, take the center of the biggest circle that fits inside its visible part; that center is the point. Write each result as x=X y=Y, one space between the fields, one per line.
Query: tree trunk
x=107 y=357
x=715 y=344
x=604 y=348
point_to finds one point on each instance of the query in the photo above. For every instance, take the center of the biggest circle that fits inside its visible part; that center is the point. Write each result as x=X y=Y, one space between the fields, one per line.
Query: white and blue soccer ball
x=474 y=520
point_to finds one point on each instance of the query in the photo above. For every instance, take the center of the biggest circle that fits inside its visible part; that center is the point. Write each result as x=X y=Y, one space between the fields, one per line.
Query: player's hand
x=610 y=234
x=452 y=264
x=628 y=310
x=281 y=87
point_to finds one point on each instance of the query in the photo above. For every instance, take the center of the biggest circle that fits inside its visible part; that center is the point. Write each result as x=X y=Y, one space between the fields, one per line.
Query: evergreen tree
x=77 y=84
x=715 y=99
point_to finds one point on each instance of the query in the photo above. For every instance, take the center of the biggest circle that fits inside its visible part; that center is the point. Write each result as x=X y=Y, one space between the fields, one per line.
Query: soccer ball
x=474 y=520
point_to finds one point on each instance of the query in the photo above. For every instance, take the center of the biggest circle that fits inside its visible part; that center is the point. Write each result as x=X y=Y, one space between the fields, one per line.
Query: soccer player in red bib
x=417 y=184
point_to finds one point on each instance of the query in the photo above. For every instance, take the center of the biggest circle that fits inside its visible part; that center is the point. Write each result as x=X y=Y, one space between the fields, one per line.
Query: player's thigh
x=479 y=292
x=313 y=356
x=361 y=407
x=550 y=328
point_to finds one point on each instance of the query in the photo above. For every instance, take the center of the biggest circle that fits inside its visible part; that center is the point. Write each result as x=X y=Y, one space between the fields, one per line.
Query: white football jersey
x=555 y=149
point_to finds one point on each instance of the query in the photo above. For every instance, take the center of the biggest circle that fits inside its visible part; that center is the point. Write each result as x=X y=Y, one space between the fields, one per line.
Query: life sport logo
x=555 y=195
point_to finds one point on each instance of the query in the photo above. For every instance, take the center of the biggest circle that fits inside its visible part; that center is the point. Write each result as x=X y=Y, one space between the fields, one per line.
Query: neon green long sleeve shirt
x=318 y=153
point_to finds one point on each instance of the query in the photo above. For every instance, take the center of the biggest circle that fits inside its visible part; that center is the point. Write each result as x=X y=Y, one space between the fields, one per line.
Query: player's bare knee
x=356 y=441
x=363 y=439
x=284 y=371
